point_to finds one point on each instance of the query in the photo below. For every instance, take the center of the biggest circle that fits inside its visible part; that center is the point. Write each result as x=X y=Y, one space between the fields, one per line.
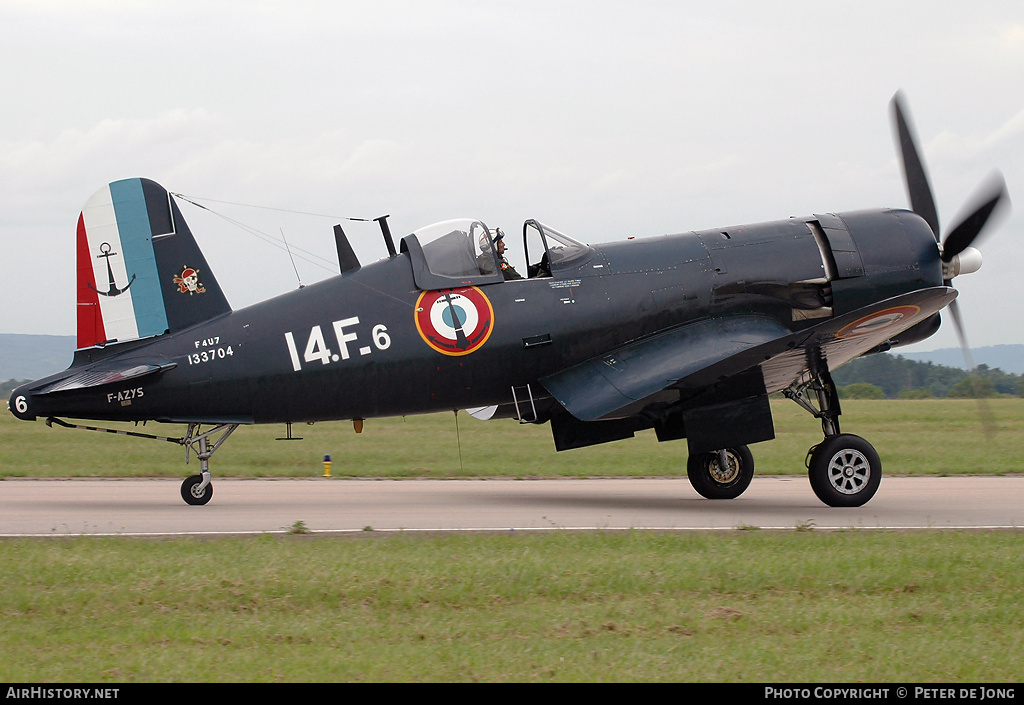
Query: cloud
x=600 y=118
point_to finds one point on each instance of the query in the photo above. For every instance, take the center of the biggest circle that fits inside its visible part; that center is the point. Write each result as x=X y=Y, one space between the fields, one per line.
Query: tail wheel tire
x=190 y=491
x=844 y=471
x=713 y=481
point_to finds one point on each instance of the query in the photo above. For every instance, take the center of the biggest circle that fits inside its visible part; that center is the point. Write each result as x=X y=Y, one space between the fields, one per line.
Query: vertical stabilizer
x=140 y=272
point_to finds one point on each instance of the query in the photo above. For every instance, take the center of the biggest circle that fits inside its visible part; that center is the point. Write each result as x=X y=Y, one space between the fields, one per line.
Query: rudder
x=140 y=271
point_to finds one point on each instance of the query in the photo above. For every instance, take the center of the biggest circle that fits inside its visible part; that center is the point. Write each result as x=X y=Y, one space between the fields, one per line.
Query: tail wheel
x=714 y=479
x=844 y=470
x=191 y=493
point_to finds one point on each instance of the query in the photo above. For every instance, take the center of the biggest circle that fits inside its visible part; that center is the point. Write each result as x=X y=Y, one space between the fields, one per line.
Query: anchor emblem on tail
x=113 y=290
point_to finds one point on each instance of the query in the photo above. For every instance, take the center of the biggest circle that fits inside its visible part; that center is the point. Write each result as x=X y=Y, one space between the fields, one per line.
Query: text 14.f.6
x=317 y=349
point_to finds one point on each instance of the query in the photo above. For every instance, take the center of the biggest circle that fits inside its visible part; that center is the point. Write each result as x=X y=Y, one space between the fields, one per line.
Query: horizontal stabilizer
x=99 y=376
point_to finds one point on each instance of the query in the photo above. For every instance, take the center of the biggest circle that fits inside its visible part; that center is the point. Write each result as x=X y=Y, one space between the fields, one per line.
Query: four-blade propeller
x=958 y=255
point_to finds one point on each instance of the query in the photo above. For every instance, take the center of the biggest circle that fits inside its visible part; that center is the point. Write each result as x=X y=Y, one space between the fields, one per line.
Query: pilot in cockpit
x=486 y=260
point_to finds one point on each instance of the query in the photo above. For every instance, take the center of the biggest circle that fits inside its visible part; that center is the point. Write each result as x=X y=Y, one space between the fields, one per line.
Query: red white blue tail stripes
x=119 y=292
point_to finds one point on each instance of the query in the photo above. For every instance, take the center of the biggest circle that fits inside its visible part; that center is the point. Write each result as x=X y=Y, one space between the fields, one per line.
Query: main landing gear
x=197 y=489
x=844 y=469
x=722 y=474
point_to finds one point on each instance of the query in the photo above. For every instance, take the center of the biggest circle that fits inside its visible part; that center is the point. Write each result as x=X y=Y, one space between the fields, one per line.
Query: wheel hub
x=727 y=474
x=849 y=471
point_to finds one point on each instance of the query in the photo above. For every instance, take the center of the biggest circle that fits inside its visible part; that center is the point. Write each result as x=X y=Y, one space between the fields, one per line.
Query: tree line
x=887 y=376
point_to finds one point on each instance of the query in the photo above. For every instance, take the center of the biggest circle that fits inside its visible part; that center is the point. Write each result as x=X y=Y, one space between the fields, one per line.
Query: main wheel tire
x=844 y=471
x=190 y=491
x=712 y=481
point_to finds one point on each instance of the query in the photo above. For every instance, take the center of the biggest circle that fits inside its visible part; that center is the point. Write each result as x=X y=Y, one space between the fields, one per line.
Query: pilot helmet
x=490 y=237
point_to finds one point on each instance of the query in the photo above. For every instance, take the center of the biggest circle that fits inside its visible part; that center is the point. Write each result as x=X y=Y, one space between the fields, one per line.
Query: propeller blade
x=914 y=174
x=954 y=309
x=990 y=196
x=984 y=412
x=988 y=199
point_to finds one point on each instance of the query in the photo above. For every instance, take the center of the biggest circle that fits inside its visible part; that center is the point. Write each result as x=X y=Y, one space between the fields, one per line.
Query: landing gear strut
x=197 y=489
x=844 y=469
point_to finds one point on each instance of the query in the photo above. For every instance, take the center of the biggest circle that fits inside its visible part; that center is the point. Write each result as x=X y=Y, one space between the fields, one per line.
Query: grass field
x=749 y=606
x=912 y=437
x=746 y=606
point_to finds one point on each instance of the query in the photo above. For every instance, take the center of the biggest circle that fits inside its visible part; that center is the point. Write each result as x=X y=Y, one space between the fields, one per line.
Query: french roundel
x=878 y=321
x=454 y=321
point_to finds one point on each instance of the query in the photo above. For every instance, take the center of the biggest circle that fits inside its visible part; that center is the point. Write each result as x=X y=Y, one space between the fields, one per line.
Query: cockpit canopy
x=462 y=252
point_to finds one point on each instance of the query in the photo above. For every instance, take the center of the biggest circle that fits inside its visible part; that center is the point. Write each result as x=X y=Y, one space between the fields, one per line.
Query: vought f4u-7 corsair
x=687 y=334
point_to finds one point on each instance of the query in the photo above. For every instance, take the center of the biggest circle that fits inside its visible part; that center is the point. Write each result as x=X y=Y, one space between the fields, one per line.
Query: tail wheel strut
x=197 y=489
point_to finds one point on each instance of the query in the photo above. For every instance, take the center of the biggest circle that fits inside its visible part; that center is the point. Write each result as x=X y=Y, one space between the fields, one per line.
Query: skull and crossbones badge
x=188 y=282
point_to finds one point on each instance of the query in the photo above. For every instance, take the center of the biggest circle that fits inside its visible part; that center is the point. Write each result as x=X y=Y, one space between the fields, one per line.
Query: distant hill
x=1008 y=358
x=34 y=356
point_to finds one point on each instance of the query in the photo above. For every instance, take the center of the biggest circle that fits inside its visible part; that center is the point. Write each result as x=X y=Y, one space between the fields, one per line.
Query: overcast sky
x=602 y=119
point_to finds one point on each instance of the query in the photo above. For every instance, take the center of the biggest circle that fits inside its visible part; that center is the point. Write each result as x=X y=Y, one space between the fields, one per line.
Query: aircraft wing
x=706 y=353
x=599 y=387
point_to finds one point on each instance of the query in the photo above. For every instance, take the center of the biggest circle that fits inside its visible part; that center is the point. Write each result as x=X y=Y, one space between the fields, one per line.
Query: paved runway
x=151 y=507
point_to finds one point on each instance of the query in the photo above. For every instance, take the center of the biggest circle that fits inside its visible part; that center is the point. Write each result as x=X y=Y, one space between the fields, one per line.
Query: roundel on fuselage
x=454 y=321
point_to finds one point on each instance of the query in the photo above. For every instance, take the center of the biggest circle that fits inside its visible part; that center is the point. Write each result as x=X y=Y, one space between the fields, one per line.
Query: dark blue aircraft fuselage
x=349 y=347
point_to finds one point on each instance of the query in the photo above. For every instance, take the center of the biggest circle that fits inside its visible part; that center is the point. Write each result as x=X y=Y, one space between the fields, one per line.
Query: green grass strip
x=919 y=437
x=746 y=606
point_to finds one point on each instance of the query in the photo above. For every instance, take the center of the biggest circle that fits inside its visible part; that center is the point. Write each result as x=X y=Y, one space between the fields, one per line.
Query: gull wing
x=686 y=361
